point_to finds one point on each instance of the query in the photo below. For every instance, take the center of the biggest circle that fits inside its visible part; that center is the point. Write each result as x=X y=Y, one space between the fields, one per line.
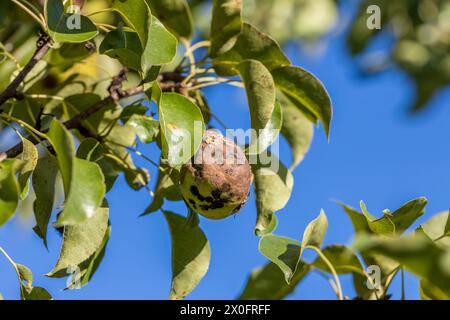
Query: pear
x=216 y=181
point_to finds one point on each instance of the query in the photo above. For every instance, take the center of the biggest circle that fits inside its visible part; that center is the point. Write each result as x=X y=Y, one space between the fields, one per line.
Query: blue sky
x=377 y=153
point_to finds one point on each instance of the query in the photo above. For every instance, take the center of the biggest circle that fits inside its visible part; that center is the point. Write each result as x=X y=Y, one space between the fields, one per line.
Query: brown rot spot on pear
x=216 y=181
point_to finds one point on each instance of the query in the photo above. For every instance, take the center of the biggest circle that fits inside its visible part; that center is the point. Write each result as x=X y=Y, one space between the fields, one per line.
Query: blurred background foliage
x=420 y=32
x=419 y=29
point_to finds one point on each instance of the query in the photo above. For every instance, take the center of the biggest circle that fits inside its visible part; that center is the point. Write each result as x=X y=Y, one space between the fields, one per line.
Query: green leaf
x=315 y=231
x=161 y=47
x=37 y=293
x=29 y=157
x=416 y=253
x=146 y=128
x=284 y=252
x=298 y=132
x=436 y=229
x=306 y=92
x=226 y=25
x=83 y=180
x=88 y=268
x=190 y=255
x=137 y=15
x=431 y=292
x=166 y=188
x=270 y=228
x=268 y=135
x=175 y=15
x=273 y=187
x=87 y=191
x=407 y=214
x=344 y=261
x=358 y=220
x=260 y=92
x=251 y=44
x=9 y=189
x=63 y=144
x=62 y=27
x=268 y=282
x=91 y=150
x=398 y=221
x=25 y=275
x=261 y=95
x=157 y=45
x=387 y=266
x=81 y=241
x=182 y=128
x=123 y=46
x=44 y=185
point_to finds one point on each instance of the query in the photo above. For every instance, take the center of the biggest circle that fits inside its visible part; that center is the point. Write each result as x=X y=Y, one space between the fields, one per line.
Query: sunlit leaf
x=190 y=255
x=283 y=252
x=88 y=268
x=161 y=47
x=182 y=128
x=26 y=276
x=436 y=229
x=84 y=182
x=81 y=241
x=315 y=231
x=273 y=187
x=398 y=221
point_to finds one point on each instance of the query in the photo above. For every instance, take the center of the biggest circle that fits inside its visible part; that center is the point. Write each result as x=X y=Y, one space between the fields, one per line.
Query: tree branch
x=43 y=45
x=115 y=94
x=168 y=81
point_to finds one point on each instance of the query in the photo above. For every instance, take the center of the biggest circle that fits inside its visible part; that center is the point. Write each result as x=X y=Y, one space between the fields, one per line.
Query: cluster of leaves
x=74 y=129
x=378 y=242
x=422 y=44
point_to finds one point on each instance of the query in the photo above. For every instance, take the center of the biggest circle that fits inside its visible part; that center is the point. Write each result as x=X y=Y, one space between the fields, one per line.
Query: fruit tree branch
x=115 y=94
x=43 y=45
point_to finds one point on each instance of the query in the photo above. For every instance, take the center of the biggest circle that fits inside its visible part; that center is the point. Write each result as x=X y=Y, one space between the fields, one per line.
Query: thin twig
x=43 y=45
